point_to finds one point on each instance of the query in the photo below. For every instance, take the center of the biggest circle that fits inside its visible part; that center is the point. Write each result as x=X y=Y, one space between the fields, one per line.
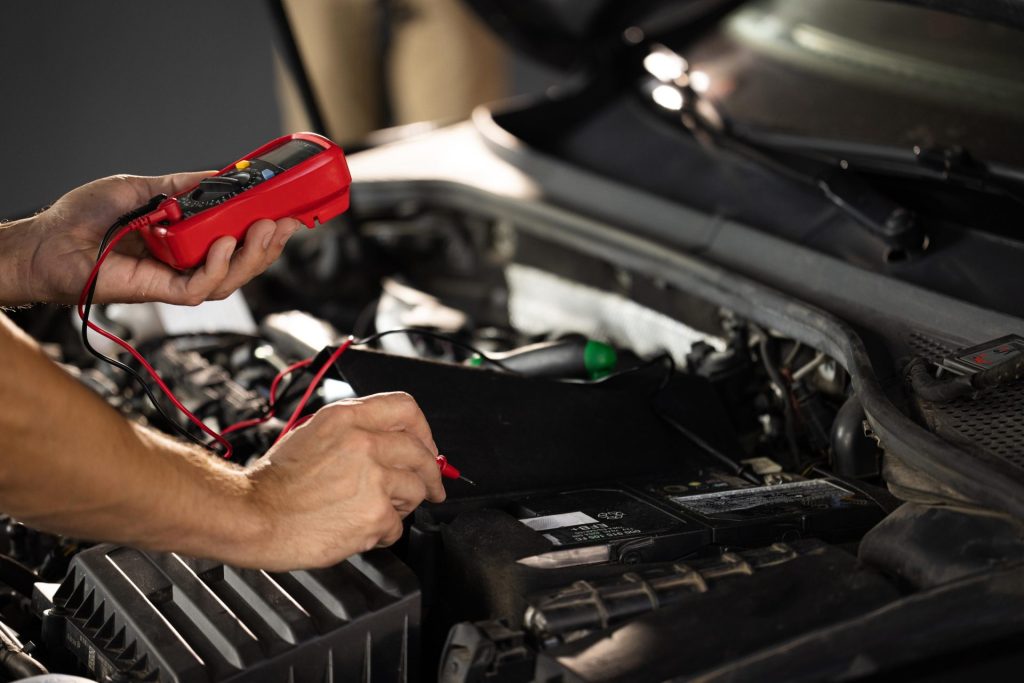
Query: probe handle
x=448 y=470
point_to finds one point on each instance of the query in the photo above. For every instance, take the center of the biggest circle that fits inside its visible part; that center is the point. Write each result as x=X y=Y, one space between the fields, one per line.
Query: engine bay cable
x=439 y=337
x=272 y=398
x=146 y=215
x=297 y=413
x=737 y=468
x=126 y=224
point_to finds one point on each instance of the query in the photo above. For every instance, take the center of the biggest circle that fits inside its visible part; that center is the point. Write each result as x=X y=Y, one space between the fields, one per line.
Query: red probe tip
x=449 y=471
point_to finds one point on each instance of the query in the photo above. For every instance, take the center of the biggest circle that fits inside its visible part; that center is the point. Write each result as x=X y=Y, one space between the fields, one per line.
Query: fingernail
x=266 y=239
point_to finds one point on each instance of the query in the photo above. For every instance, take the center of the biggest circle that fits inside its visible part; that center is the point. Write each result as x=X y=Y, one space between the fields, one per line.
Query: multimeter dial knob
x=216 y=189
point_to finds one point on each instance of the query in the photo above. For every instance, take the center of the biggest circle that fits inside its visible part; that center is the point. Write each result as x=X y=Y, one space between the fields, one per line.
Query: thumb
x=150 y=186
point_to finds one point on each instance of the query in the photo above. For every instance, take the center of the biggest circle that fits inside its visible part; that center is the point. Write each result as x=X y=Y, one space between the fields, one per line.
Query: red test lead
x=449 y=471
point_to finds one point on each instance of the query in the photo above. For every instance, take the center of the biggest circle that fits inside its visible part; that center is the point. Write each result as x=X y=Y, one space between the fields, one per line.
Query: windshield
x=877 y=73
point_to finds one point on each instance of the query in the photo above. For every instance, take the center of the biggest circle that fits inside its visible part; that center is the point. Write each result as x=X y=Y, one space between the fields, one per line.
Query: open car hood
x=573 y=33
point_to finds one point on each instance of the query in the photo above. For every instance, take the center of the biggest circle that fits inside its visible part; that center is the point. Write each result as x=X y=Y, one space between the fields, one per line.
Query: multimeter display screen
x=291 y=153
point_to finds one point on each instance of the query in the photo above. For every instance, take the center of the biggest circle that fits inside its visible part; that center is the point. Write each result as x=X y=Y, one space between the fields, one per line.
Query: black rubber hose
x=853 y=454
x=931 y=388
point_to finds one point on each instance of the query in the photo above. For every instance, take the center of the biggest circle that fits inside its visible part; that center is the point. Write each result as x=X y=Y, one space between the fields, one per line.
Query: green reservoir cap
x=599 y=359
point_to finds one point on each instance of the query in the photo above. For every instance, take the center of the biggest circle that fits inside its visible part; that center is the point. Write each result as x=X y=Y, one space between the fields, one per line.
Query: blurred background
x=126 y=87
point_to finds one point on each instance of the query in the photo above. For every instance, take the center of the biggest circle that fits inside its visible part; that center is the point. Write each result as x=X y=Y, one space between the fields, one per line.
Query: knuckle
x=404 y=399
x=397 y=399
x=376 y=480
x=193 y=299
x=330 y=412
x=320 y=424
x=407 y=407
x=421 y=492
x=380 y=513
x=393 y=532
x=333 y=416
x=361 y=442
x=275 y=249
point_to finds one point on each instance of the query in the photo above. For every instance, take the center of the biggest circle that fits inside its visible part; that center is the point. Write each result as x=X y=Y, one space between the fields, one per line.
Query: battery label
x=591 y=533
x=572 y=528
x=558 y=521
x=766 y=501
x=592 y=516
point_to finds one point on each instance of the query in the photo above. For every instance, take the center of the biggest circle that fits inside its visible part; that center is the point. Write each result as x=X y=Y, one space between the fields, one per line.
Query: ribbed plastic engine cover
x=124 y=614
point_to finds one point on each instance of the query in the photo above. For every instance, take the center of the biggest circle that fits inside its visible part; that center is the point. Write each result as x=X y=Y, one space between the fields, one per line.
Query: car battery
x=665 y=520
x=747 y=516
x=496 y=553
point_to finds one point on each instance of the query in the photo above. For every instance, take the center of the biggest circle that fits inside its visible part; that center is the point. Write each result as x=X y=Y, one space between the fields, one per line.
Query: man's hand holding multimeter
x=54 y=250
x=302 y=176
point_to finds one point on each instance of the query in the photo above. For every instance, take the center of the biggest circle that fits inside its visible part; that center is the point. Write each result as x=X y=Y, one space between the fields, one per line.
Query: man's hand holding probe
x=344 y=481
x=69 y=463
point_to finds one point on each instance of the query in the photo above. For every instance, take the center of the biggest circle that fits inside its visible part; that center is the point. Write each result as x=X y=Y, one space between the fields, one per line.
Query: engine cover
x=124 y=614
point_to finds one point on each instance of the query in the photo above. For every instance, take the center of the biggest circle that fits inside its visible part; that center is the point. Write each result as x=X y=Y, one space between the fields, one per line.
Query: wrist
x=249 y=538
x=208 y=507
x=19 y=242
x=240 y=531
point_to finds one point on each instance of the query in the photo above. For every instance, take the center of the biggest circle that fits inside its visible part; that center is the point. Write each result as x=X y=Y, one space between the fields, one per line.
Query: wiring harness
x=148 y=214
x=949 y=388
x=144 y=216
x=128 y=223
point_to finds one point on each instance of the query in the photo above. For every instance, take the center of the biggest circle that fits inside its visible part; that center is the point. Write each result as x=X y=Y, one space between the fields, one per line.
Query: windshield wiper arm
x=956 y=165
x=897 y=226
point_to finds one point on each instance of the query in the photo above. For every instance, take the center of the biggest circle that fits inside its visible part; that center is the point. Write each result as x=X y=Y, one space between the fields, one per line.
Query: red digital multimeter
x=302 y=176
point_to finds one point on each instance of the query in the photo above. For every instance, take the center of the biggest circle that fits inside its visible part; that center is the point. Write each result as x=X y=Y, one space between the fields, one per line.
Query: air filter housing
x=124 y=615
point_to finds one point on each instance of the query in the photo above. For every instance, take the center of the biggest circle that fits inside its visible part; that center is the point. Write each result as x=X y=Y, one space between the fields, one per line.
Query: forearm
x=71 y=464
x=18 y=241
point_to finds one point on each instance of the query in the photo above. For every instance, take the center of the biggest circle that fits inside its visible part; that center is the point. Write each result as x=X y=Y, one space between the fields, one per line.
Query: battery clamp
x=302 y=176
